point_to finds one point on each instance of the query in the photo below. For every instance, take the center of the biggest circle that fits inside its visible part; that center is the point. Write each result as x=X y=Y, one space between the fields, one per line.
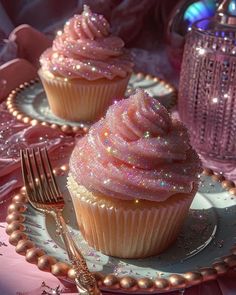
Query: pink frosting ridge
x=136 y=152
x=85 y=49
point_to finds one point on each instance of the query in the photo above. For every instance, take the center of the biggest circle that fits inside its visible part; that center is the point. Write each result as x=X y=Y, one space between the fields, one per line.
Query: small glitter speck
x=162 y=183
x=55 y=55
x=106 y=181
x=146 y=134
x=215 y=99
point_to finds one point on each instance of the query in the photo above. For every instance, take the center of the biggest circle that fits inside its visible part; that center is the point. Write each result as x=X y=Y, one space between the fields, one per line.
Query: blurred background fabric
x=140 y=23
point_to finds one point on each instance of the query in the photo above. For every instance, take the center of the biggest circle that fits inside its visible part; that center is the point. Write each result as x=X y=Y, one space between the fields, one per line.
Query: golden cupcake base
x=128 y=229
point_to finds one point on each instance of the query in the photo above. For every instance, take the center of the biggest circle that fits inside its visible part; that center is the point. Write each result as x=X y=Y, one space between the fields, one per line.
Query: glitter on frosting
x=85 y=49
x=118 y=159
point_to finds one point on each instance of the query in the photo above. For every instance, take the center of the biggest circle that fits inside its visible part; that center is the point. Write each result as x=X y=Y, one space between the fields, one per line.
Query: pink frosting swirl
x=85 y=49
x=136 y=152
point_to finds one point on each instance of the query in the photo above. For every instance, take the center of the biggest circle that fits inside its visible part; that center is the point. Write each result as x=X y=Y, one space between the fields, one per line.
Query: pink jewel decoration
x=136 y=152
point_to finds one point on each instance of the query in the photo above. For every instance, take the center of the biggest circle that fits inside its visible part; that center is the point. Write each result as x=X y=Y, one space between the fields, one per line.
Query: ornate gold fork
x=44 y=195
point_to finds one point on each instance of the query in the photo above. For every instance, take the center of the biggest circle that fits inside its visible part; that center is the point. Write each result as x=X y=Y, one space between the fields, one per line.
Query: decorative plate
x=204 y=249
x=28 y=102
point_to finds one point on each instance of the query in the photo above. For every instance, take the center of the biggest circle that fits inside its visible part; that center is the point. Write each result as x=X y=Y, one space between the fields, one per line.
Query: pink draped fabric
x=140 y=24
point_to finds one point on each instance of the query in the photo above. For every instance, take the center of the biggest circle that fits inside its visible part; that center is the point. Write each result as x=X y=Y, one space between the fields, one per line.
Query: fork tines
x=38 y=176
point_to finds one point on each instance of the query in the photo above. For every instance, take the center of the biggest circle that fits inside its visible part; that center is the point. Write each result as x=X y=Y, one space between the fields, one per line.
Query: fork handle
x=85 y=281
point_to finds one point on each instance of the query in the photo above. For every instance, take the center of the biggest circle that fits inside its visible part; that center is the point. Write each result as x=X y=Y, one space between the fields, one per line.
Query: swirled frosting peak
x=86 y=49
x=136 y=152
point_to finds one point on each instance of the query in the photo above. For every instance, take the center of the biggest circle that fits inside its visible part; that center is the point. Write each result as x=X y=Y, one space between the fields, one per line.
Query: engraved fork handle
x=85 y=281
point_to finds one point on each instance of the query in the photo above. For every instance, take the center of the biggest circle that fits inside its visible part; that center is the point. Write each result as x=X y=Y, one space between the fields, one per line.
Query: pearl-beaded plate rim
x=24 y=246
x=81 y=128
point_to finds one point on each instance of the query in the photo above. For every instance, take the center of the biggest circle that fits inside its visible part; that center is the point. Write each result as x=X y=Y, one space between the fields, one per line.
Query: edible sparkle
x=162 y=183
x=146 y=134
x=215 y=99
x=106 y=181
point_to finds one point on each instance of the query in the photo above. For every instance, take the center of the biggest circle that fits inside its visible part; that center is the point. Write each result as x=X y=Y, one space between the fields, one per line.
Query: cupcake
x=132 y=179
x=85 y=69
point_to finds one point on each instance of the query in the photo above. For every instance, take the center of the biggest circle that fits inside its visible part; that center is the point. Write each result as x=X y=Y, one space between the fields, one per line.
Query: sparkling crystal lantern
x=207 y=89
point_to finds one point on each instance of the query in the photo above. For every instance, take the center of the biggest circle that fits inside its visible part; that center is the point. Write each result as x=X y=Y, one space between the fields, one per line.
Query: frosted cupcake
x=85 y=69
x=132 y=179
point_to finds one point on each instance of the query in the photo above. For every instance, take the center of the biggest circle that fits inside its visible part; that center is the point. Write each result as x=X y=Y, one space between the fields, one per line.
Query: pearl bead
x=208 y=273
x=60 y=269
x=15 y=225
x=19 y=198
x=45 y=262
x=193 y=277
x=15 y=216
x=16 y=207
x=33 y=254
x=16 y=236
x=162 y=284
x=177 y=281
x=111 y=281
x=127 y=282
x=23 y=246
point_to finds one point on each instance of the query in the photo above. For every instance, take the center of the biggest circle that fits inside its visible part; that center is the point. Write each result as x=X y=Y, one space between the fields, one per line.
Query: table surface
x=19 y=277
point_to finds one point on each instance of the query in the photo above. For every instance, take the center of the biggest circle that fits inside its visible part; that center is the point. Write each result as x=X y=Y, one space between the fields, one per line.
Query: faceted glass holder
x=207 y=90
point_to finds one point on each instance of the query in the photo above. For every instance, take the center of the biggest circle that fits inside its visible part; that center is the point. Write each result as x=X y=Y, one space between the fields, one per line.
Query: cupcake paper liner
x=79 y=99
x=127 y=229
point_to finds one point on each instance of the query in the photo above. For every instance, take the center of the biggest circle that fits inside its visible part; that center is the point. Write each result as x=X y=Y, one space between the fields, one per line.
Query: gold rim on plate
x=25 y=118
x=24 y=246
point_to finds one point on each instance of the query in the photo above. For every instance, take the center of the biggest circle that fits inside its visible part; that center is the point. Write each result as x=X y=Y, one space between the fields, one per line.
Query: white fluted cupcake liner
x=79 y=99
x=127 y=229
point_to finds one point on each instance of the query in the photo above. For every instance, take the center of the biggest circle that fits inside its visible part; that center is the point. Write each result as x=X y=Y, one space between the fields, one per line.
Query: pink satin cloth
x=17 y=276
